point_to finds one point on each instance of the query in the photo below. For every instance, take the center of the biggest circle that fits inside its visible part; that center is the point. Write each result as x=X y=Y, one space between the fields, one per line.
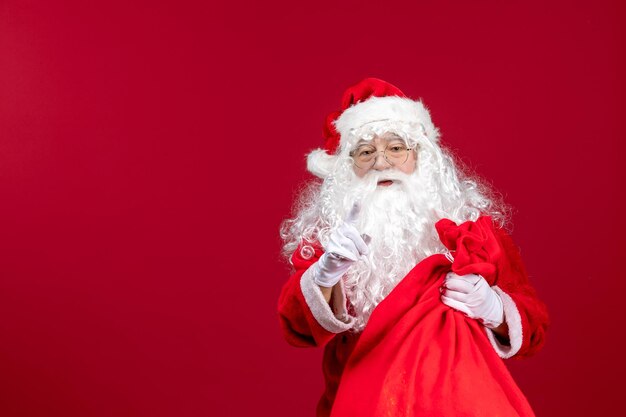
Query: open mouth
x=385 y=183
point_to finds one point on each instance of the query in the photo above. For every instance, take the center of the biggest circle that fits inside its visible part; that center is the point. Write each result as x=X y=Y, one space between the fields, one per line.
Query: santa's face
x=387 y=152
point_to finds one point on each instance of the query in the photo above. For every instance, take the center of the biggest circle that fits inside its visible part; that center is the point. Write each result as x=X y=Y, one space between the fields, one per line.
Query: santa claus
x=403 y=271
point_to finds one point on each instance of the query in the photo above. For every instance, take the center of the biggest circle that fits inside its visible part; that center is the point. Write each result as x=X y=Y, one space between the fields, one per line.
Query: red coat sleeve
x=299 y=325
x=513 y=280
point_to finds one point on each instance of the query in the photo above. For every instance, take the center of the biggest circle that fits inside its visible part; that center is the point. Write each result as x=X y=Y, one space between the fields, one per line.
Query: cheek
x=410 y=165
x=359 y=172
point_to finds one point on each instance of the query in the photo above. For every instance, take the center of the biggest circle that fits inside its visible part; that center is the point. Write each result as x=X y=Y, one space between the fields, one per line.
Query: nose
x=380 y=162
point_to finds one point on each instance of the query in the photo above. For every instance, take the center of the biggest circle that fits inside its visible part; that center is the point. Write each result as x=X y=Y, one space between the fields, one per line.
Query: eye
x=397 y=148
x=365 y=151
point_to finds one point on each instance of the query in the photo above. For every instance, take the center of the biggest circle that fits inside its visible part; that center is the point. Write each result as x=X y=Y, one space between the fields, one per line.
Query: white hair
x=399 y=218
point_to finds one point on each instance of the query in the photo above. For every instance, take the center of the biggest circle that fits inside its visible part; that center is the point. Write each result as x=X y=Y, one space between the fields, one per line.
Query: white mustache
x=371 y=179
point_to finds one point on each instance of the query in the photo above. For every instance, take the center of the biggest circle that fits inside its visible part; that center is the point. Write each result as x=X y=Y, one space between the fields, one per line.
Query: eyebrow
x=388 y=137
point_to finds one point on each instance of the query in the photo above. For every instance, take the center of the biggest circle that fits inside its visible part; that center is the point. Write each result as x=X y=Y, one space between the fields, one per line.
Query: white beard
x=400 y=221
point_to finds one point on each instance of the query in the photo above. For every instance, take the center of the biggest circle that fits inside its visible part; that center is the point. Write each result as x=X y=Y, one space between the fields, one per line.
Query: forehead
x=385 y=137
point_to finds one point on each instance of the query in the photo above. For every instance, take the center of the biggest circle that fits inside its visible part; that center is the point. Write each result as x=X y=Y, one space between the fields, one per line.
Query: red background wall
x=149 y=151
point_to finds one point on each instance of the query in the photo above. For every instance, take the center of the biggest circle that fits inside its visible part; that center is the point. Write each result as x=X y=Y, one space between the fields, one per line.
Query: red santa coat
x=417 y=356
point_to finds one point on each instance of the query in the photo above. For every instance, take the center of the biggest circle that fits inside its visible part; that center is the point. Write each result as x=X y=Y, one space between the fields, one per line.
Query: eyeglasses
x=395 y=153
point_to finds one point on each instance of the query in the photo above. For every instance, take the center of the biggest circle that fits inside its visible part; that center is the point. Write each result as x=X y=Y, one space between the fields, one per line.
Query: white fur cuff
x=333 y=322
x=514 y=321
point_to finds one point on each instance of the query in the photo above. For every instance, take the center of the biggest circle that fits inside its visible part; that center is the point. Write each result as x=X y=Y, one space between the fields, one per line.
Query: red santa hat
x=369 y=102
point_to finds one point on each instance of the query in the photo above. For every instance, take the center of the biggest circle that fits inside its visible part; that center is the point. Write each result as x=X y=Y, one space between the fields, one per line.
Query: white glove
x=344 y=247
x=472 y=295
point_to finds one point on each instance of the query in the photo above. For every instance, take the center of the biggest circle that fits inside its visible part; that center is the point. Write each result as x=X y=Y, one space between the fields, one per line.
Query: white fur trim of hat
x=377 y=115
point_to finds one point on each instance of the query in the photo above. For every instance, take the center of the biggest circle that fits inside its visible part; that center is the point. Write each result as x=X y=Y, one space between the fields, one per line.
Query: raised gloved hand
x=344 y=247
x=472 y=295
